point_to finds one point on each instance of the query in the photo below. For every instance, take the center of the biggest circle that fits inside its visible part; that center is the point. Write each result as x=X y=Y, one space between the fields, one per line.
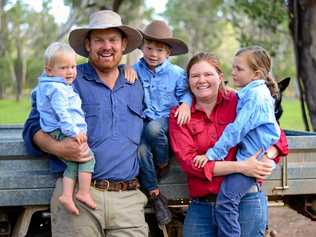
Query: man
x=113 y=111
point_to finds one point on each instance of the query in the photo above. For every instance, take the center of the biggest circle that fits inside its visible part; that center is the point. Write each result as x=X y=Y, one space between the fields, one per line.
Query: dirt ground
x=288 y=223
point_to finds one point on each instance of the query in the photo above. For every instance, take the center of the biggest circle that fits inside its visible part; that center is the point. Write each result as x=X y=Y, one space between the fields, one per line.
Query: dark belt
x=208 y=198
x=107 y=185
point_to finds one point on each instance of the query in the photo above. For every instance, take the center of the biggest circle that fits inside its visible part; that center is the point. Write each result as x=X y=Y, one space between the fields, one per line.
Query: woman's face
x=204 y=80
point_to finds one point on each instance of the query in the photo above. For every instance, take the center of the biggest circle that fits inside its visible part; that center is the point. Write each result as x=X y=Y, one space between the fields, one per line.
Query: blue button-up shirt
x=59 y=106
x=114 y=119
x=164 y=87
x=255 y=126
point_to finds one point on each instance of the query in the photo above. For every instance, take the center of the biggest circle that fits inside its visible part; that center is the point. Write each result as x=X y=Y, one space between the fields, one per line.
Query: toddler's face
x=64 y=65
x=155 y=53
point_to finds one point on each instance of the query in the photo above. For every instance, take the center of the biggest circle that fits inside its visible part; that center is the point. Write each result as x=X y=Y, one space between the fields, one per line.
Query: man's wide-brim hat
x=106 y=19
x=159 y=31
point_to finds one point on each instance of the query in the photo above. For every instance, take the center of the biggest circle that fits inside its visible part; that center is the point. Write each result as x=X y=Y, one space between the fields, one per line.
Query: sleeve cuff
x=208 y=170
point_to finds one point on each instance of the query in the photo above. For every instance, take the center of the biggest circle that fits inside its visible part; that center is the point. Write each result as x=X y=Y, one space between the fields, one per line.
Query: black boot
x=160 y=205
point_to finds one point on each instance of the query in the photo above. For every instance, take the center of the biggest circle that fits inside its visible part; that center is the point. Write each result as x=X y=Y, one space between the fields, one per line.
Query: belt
x=208 y=198
x=107 y=185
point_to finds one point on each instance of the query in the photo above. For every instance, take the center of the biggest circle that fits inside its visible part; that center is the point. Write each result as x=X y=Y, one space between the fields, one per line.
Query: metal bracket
x=22 y=225
x=284 y=178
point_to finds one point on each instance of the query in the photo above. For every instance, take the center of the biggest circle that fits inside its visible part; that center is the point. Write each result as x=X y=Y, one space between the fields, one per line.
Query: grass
x=12 y=112
x=292 y=116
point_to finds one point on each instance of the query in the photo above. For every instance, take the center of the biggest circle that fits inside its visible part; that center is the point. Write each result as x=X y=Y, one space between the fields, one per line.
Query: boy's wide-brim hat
x=100 y=20
x=159 y=31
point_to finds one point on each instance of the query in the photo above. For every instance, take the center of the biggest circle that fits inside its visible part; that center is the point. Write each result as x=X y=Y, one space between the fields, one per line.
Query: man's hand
x=81 y=138
x=254 y=168
x=68 y=149
x=183 y=114
x=130 y=74
x=200 y=161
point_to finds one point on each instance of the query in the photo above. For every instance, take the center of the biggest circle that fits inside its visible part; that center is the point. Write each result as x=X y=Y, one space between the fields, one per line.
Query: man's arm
x=36 y=141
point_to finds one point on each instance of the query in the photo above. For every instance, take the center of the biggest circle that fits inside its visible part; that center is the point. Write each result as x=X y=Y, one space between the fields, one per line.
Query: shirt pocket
x=135 y=120
x=92 y=117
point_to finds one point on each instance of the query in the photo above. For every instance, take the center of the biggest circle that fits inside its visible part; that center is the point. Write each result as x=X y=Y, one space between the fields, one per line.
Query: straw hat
x=161 y=32
x=106 y=19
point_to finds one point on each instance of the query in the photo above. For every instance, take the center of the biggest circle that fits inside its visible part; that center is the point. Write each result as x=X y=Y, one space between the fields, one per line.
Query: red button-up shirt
x=201 y=133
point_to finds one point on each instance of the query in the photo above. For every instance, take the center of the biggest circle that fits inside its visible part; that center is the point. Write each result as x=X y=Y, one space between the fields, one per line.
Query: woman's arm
x=250 y=167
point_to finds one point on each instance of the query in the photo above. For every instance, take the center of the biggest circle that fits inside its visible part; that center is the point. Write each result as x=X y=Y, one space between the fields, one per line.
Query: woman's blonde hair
x=210 y=59
x=259 y=60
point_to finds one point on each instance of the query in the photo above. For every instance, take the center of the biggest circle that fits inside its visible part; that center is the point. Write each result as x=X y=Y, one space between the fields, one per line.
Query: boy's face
x=155 y=53
x=63 y=65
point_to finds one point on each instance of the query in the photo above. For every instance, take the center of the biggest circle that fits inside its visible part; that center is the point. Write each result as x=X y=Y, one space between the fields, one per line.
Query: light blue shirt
x=59 y=107
x=255 y=126
x=164 y=88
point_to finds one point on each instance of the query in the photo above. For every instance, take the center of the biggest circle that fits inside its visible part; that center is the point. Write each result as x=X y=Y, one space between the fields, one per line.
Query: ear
x=284 y=83
x=124 y=44
x=48 y=70
x=258 y=75
x=87 y=44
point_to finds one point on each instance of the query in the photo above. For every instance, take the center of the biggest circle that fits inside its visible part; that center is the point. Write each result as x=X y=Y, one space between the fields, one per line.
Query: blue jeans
x=200 y=220
x=233 y=188
x=153 y=151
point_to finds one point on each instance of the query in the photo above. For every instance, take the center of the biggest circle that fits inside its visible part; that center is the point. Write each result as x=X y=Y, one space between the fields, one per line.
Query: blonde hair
x=54 y=49
x=210 y=59
x=259 y=60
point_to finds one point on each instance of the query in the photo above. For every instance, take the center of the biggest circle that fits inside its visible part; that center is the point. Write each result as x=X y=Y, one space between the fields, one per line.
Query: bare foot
x=86 y=199
x=69 y=204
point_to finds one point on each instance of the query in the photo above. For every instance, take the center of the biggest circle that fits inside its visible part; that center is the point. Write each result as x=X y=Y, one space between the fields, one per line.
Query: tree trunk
x=19 y=69
x=303 y=30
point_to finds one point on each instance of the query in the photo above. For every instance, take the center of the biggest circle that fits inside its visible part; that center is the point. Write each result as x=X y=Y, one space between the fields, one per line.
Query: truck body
x=26 y=183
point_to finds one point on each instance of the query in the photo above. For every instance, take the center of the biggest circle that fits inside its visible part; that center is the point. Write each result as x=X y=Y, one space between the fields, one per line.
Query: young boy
x=165 y=86
x=61 y=116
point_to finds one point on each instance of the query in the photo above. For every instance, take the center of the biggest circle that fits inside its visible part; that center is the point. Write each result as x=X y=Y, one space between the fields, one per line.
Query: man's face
x=105 y=48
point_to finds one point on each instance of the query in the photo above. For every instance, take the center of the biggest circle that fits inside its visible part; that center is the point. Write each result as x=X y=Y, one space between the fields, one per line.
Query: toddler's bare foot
x=86 y=199
x=69 y=204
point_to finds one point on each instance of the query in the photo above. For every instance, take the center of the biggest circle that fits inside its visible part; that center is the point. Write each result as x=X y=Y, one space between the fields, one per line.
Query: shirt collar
x=89 y=73
x=45 y=78
x=158 y=68
x=220 y=98
x=242 y=92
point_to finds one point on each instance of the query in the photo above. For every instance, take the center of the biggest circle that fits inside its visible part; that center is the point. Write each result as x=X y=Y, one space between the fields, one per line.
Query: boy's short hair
x=55 y=48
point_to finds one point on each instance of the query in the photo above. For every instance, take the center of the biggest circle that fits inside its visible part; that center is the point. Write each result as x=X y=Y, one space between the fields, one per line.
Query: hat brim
x=78 y=36
x=177 y=46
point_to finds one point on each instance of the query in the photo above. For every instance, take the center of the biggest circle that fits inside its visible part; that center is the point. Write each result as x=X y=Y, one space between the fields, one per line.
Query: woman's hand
x=183 y=114
x=254 y=168
x=130 y=74
x=200 y=161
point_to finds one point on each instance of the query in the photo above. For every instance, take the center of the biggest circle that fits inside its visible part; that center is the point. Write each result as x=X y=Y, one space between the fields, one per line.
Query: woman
x=213 y=109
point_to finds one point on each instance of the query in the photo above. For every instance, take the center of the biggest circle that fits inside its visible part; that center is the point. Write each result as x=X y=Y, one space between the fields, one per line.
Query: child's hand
x=200 y=161
x=81 y=138
x=130 y=74
x=183 y=114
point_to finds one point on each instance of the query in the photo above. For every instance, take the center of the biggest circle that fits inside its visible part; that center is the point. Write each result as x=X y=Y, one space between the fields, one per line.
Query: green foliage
x=13 y=112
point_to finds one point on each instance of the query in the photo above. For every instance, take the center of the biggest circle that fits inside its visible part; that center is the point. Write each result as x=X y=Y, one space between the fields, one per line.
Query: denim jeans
x=233 y=188
x=153 y=151
x=200 y=220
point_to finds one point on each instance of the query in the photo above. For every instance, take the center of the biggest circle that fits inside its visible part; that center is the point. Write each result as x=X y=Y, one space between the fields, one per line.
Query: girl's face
x=242 y=74
x=204 y=80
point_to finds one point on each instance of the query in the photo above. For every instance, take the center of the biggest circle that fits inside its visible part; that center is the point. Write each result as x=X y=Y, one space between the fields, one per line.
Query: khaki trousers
x=118 y=214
